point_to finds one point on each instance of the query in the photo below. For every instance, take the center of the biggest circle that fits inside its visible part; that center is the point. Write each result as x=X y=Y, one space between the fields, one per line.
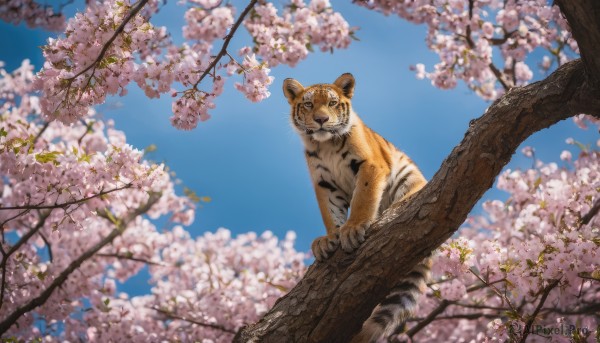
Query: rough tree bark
x=334 y=298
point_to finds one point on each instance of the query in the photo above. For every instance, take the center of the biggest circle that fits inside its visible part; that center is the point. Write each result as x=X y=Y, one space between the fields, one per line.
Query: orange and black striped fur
x=352 y=167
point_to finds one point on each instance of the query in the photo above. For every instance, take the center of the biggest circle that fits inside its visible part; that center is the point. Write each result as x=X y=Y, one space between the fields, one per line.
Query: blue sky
x=248 y=159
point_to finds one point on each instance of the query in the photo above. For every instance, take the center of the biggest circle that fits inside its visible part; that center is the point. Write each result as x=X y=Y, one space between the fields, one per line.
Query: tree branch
x=539 y=306
x=593 y=211
x=430 y=318
x=587 y=310
x=433 y=315
x=121 y=226
x=471 y=45
x=335 y=297
x=11 y=218
x=65 y=204
x=207 y=325
x=109 y=42
x=228 y=38
x=14 y=248
x=584 y=19
x=132 y=258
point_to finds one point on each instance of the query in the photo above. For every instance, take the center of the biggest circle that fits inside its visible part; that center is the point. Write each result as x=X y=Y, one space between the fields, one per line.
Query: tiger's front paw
x=324 y=246
x=351 y=236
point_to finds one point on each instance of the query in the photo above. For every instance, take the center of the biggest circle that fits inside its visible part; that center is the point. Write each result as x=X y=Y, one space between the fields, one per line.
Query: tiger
x=354 y=168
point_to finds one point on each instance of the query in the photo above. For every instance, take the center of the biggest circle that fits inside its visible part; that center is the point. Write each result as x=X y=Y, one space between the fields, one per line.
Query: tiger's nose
x=321 y=119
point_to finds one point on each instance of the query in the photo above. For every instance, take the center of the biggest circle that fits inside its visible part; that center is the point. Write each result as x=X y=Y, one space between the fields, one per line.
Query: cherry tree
x=77 y=200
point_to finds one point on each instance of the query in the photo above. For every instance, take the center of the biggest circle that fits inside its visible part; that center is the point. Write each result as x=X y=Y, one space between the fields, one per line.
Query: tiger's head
x=321 y=111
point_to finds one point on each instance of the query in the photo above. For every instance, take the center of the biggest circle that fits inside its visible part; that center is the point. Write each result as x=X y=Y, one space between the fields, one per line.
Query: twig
x=208 y=325
x=500 y=41
x=20 y=242
x=228 y=38
x=498 y=75
x=121 y=225
x=235 y=61
x=589 y=310
x=48 y=245
x=9 y=219
x=483 y=307
x=593 y=211
x=430 y=317
x=105 y=48
x=496 y=290
x=433 y=315
x=131 y=258
x=469 y=316
x=106 y=45
x=88 y=128
x=65 y=204
x=41 y=132
x=531 y=318
x=471 y=45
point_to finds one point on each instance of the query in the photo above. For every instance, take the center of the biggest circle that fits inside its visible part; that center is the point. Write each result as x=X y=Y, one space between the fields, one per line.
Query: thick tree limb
x=584 y=19
x=334 y=298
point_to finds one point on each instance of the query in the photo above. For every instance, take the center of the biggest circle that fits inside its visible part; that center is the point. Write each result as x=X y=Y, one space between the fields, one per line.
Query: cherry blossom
x=65 y=189
x=467 y=36
x=78 y=202
x=33 y=14
x=541 y=240
x=114 y=43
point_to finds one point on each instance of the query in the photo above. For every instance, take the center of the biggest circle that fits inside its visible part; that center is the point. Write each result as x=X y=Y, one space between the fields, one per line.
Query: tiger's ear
x=291 y=89
x=346 y=83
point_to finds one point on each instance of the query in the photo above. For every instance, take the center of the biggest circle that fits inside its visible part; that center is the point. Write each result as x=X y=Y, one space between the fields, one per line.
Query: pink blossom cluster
x=93 y=61
x=193 y=106
x=80 y=72
x=208 y=25
x=289 y=38
x=32 y=13
x=204 y=288
x=256 y=79
x=64 y=189
x=495 y=273
x=466 y=34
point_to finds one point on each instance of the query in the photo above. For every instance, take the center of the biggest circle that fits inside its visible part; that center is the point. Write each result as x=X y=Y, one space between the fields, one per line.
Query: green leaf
x=85 y=158
x=3 y=132
x=108 y=61
x=191 y=194
x=530 y=263
x=150 y=148
x=45 y=157
x=106 y=301
x=112 y=218
x=41 y=275
x=511 y=315
x=582 y=147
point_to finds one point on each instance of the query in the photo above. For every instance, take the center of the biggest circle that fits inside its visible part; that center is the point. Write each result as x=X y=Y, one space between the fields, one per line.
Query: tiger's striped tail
x=389 y=317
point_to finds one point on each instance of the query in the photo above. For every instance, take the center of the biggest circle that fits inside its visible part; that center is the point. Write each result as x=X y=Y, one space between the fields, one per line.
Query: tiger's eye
x=308 y=104
x=333 y=103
